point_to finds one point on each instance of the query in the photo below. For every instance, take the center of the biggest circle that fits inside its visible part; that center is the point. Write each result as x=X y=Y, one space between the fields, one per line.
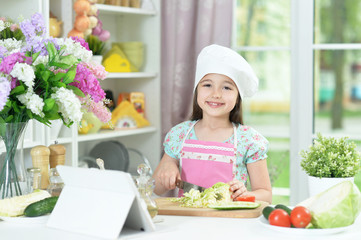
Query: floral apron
x=205 y=163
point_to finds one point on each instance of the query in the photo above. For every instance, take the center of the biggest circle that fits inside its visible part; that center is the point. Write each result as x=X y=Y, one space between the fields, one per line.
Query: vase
x=12 y=169
x=317 y=185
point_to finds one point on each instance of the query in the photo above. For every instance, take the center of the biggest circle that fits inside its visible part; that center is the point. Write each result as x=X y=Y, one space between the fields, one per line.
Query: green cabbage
x=219 y=192
x=338 y=206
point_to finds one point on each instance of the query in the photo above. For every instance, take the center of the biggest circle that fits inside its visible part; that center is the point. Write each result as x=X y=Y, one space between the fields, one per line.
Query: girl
x=215 y=146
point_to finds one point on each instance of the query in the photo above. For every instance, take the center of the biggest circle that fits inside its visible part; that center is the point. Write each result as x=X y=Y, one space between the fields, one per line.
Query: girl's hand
x=237 y=188
x=166 y=174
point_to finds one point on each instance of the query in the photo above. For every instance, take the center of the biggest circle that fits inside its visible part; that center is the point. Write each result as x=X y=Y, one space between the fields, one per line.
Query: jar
x=33 y=179
x=56 y=183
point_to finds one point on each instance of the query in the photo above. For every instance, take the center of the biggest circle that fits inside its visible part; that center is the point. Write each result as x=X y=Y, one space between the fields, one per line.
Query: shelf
x=110 y=9
x=131 y=75
x=105 y=134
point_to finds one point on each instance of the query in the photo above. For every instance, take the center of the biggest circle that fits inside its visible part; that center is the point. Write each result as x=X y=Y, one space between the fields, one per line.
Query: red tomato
x=279 y=217
x=247 y=198
x=300 y=217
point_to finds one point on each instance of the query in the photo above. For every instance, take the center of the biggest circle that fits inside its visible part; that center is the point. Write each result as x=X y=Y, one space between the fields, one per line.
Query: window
x=307 y=55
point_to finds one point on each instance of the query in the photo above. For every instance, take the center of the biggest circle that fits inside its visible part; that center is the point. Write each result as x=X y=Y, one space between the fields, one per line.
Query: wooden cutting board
x=166 y=207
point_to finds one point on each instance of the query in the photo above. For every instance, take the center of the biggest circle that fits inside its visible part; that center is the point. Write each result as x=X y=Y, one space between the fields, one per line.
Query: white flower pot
x=97 y=59
x=317 y=185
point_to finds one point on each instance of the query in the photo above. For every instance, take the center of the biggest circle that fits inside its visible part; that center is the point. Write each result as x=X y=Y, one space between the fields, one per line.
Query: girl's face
x=217 y=95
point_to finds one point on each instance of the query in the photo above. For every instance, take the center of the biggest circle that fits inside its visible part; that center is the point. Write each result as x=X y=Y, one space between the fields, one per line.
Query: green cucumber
x=267 y=211
x=41 y=207
x=284 y=207
x=234 y=205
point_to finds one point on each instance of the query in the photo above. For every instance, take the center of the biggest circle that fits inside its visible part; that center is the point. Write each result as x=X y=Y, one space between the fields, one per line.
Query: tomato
x=246 y=198
x=279 y=217
x=300 y=217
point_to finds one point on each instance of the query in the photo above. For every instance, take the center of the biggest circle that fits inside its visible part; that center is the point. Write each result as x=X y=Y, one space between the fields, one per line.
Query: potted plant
x=96 y=46
x=329 y=161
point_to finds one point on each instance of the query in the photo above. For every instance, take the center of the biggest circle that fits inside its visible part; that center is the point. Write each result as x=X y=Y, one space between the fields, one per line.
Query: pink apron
x=205 y=163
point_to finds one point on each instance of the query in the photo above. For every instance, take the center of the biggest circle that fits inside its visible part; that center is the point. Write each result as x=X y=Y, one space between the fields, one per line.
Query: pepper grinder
x=40 y=157
x=57 y=154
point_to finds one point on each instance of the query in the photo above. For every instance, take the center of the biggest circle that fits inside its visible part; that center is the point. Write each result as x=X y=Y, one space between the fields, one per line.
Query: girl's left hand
x=237 y=187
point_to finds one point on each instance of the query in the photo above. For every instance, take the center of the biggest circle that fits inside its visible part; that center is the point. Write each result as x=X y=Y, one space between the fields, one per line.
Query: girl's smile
x=217 y=95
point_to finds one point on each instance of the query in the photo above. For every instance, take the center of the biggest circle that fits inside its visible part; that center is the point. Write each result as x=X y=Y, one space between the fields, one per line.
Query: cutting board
x=166 y=207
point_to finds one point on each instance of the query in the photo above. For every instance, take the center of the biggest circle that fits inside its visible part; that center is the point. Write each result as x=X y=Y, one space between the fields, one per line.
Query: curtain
x=187 y=27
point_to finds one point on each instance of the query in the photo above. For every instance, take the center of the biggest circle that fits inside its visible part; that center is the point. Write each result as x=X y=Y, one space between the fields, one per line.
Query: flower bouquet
x=45 y=79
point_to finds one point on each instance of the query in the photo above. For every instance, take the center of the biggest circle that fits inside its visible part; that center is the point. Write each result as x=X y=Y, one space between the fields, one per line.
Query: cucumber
x=41 y=207
x=284 y=207
x=267 y=211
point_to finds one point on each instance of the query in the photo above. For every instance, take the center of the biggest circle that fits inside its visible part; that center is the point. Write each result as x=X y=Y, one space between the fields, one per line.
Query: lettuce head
x=337 y=206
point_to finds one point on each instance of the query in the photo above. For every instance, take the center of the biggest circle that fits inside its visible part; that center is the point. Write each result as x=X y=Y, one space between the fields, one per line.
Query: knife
x=186 y=186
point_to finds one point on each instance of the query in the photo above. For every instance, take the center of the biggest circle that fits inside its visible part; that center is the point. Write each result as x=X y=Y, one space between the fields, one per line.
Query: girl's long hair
x=236 y=115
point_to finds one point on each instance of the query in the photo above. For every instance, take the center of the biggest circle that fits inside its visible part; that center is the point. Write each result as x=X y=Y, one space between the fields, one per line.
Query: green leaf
x=48 y=104
x=29 y=113
x=60 y=84
x=60 y=65
x=57 y=76
x=51 y=51
x=15 y=107
x=18 y=90
x=35 y=56
x=46 y=74
x=70 y=75
x=9 y=118
x=69 y=59
x=76 y=90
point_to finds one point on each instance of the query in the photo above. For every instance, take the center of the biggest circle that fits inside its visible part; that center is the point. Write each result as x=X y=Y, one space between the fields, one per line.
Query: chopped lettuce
x=338 y=206
x=219 y=192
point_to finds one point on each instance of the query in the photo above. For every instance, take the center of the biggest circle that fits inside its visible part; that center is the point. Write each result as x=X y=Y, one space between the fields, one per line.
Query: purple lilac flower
x=4 y=92
x=28 y=29
x=37 y=21
x=82 y=42
x=34 y=27
x=38 y=44
x=3 y=51
x=88 y=83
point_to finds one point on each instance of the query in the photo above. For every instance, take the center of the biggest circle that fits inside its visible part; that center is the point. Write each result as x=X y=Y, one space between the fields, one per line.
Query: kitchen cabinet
x=124 y=24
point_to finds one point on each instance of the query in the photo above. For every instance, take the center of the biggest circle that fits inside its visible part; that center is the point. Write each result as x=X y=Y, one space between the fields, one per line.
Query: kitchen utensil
x=167 y=207
x=186 y=186
x=114 y=154
x=100 y=163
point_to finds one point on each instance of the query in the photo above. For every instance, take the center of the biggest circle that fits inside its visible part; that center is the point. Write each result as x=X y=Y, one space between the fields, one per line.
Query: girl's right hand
x=166 y=174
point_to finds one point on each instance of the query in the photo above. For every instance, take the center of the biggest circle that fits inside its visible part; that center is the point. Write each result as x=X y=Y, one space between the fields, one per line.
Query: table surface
x=180 y=227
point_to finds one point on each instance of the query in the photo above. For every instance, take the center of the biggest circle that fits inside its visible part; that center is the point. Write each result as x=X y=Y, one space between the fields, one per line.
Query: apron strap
x=235 y=138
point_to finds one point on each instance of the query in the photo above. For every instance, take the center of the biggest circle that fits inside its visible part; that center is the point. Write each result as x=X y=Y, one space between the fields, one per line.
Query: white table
x=179 y=227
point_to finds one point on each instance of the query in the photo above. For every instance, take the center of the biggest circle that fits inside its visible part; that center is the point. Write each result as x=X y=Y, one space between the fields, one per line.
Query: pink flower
x=13 y=27
x=88 y=83
x=9 y=62
x=98 y=108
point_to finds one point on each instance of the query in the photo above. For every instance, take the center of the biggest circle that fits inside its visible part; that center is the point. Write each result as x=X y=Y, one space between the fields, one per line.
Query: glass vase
x=12 y=169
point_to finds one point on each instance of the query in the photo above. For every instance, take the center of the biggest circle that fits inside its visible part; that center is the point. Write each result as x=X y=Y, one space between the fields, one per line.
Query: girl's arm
x=260 y=182
x=166 y=174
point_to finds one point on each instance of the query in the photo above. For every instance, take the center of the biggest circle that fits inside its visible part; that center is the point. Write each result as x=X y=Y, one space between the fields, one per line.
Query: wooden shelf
x=131 y=75
x=110 y=9
x=105 y=134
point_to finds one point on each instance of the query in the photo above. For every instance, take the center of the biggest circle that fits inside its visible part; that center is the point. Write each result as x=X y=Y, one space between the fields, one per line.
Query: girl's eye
x=227 y=88
x=206 y=85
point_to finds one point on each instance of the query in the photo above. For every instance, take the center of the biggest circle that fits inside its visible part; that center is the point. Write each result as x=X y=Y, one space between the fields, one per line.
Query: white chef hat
x=223 y=60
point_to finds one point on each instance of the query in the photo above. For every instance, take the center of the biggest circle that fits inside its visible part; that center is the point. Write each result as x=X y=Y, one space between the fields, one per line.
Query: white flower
x=11 y=44
x=70 y=46
x=2 y=25
x=69 y=104
x=41 y=59
x=25 y=73
x=33 y=102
